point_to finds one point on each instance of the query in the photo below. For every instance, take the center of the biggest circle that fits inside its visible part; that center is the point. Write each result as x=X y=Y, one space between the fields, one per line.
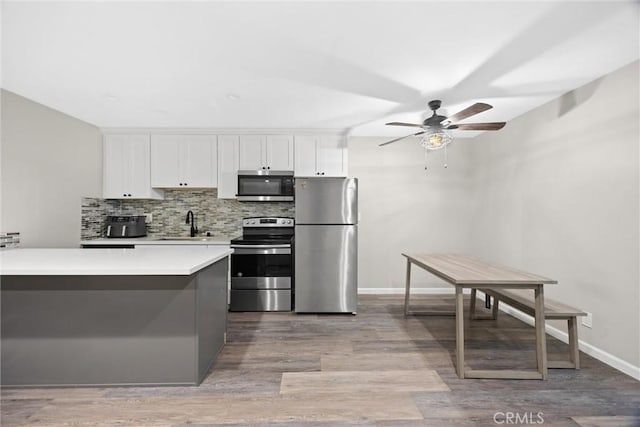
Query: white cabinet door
x=165 y=161
x=200 y=161
x=331 y=156
x=279 y=152
x=139 y=176
x=228 y=164
x=305 y=155
x=320 y=155
x=126 y=173
x=252 y=156
x=179 y=161
x=115 y=156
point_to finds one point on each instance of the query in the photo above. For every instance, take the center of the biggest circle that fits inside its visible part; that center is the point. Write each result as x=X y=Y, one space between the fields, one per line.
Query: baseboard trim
x=593 y=351
x=414 y=291
x=400 y=291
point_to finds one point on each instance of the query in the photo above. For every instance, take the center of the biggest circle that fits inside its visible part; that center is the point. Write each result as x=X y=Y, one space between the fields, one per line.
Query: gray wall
x=404 y=208
x=49 y=162
x=557 y=192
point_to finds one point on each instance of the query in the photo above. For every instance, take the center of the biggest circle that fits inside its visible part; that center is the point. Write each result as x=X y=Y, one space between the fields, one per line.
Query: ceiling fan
x=434 y=127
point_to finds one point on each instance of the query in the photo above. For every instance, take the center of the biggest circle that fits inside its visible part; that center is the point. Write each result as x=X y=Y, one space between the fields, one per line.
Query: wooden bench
x=523 y=300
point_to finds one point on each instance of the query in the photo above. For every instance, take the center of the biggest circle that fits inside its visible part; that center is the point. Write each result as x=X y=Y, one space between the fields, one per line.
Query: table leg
x=541 y=339
x=407 y=289
x=459 y=332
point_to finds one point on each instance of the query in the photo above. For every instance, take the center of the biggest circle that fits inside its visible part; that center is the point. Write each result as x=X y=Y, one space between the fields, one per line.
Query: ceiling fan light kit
x=434 y=129
x=436 y=139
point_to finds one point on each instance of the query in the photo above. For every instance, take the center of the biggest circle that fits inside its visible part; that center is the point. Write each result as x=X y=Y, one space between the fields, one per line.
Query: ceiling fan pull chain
x=425 y=158
x=445 y=156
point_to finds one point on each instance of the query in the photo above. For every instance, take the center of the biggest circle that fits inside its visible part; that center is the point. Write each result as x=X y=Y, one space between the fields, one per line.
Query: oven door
x=261 y=267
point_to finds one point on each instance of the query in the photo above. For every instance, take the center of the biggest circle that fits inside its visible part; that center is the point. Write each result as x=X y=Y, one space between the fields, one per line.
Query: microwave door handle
x=108 y=230
x=124 y=230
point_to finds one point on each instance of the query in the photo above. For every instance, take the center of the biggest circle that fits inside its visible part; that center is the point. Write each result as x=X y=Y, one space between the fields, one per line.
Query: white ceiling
x=338 y=65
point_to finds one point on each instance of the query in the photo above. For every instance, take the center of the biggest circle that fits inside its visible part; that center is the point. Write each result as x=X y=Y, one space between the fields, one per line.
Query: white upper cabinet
x=184 y=161
x=228 y=164
x=252 y=149
x=271 y=152
x=126 y=168
x=331 y=156
x=279 y=152
x=305 y=159
x=320 y=155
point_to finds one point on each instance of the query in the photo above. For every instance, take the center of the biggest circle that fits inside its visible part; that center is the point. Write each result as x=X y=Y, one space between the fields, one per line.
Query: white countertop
x=170 y=260
x=198 y=241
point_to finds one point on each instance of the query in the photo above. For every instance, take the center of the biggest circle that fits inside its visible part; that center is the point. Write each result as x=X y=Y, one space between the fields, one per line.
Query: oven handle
x=261 y=250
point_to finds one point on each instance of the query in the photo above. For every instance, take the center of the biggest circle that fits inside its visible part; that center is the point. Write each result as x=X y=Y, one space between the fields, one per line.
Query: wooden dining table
x=465 y=272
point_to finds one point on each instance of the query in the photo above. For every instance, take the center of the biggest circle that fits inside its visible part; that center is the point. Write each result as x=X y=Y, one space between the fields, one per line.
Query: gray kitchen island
x=103 y=317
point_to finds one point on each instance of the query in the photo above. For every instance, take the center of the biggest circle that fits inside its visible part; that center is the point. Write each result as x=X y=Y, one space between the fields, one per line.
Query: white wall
x=556 y=192
x=49 y=162
x=407 y=209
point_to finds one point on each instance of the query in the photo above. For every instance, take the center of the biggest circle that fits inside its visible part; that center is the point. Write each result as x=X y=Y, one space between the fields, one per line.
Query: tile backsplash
x=221 y=217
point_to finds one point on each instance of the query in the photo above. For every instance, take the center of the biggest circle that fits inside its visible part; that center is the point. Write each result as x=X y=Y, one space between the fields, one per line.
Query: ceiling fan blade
x=476 y=108
x=478 y=126
x=402 y=137
x=403 y=124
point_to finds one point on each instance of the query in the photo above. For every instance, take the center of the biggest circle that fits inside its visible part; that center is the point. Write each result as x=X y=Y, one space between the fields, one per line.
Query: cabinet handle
x=268 y=167
x=124 y=195
x=322 y=173
x=185 y=184
x=180 y=184
x=129 y=195
x=263 y=168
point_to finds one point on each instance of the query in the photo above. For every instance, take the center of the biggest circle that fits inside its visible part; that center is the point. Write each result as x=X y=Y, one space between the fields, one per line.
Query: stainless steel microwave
x=265 y=186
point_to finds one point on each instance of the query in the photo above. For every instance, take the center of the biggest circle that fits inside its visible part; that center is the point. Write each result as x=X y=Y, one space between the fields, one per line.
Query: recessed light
x=232 y=96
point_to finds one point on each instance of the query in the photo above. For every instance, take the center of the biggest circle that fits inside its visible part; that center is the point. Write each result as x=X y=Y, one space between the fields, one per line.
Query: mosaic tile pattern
x=221 y=217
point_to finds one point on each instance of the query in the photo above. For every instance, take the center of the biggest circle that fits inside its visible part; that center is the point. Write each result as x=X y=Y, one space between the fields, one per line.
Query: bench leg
x=574 y=351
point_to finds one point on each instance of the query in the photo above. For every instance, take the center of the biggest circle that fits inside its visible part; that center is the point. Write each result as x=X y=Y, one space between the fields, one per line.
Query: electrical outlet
x=149 y=218
x=587 y=320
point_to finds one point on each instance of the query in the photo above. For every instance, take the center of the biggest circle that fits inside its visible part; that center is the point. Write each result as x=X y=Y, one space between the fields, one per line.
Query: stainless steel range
x=262 y=265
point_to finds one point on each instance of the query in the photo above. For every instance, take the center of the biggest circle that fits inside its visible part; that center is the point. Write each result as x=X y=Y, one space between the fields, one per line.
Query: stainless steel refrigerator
x=326 y=245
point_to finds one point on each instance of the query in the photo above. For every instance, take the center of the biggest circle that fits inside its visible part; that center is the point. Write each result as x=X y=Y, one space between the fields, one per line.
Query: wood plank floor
x=377 y=368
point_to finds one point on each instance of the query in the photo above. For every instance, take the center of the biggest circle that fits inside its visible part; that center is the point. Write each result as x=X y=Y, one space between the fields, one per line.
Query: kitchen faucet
x=192 y=220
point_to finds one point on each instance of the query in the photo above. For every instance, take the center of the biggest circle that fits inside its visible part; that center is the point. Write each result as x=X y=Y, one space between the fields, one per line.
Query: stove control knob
x=289 y=222
x=282 y=221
